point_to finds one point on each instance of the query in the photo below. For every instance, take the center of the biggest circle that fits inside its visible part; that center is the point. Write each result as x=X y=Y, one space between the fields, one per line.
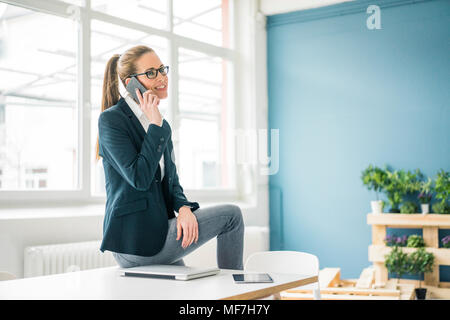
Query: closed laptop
x=169 y=272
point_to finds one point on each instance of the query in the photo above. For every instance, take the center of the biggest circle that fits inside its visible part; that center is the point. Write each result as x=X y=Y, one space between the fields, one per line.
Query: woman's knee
x=236 y=212
x=123 y=262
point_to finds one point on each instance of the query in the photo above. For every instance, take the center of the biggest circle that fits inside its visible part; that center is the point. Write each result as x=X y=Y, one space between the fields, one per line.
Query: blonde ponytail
x=118 y=66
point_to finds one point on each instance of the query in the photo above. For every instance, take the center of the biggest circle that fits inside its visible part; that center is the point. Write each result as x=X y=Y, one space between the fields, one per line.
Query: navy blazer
x=136 y=222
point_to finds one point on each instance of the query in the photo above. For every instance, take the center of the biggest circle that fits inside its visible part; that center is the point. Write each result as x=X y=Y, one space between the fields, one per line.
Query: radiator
x=67 y=257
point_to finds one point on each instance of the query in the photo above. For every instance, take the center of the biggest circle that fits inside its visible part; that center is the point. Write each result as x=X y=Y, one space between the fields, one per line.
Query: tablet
x=252 y=278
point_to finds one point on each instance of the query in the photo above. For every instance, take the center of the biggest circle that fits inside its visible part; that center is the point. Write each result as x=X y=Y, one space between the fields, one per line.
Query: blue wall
x=344 y=96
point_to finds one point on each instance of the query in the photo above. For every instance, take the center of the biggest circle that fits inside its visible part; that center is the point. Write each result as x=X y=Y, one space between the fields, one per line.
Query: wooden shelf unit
x=429 y=223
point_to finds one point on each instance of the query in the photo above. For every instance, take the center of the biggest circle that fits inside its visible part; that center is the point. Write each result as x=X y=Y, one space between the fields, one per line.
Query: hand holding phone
x=148 y=100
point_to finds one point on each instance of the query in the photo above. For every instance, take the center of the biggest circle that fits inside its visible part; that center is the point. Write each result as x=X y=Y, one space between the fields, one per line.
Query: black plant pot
x=421 y=293
x=394 y=210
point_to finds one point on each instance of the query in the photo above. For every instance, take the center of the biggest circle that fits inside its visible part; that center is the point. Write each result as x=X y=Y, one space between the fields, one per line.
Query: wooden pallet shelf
x=414 y=220
x=429 y=223
x=332 y=287
x=377 y=253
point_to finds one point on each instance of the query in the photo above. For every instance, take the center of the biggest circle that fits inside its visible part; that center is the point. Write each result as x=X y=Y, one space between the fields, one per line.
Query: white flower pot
x=377 y=206
x=425 y=208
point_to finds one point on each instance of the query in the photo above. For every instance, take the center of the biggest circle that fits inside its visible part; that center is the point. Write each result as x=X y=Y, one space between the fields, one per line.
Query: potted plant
x=419 y=263
x=415 y=241
x=398 y=184
x=412 y=181
x=374 y=179
x=441 y=207
x=425 y=195
x=442 y=189
x=409 y=207
x=396 y=262
x=394 y=190
x=446 y=241
x=391 y=241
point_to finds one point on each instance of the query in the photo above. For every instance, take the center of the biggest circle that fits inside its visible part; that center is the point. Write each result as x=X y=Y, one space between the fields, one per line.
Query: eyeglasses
x=153 y=73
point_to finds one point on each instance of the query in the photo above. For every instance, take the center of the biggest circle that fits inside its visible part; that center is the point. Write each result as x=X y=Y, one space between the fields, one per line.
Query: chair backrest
x=283 y=262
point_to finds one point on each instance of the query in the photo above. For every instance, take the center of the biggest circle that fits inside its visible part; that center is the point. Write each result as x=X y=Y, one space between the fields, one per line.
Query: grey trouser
x=224 y=221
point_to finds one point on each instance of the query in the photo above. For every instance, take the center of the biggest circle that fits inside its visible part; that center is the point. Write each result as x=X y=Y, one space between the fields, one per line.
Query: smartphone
x=252 y=278
x=134 y=84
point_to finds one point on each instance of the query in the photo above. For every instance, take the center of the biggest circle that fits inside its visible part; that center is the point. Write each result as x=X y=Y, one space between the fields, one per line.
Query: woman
x=142 y=185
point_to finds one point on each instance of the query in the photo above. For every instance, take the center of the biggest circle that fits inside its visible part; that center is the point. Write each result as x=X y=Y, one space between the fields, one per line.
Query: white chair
x=286 y=262
x=7 y=276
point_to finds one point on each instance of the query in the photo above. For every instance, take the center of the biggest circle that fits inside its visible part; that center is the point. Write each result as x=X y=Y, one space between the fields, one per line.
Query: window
x=52 y=63
x=38 y=113
x=204 y=20
x=149 y=12
x=204 y=95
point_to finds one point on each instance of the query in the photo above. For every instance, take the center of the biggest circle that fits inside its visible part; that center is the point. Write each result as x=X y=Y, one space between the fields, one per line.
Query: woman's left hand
x=188 y=225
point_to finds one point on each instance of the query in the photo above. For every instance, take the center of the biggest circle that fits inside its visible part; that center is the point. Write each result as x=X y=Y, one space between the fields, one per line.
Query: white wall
x=20 y=228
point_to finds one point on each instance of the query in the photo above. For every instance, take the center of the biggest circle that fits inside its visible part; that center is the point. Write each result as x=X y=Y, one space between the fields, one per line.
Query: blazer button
x=162 y=139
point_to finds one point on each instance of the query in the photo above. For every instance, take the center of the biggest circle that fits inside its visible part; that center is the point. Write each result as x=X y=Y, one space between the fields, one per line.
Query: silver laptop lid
x=169 y=272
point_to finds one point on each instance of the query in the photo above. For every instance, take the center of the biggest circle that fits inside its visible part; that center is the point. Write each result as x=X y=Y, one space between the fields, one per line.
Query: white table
x=107 y=284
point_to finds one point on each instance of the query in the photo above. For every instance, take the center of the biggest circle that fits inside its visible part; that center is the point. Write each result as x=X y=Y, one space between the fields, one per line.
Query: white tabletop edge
x=108 y=284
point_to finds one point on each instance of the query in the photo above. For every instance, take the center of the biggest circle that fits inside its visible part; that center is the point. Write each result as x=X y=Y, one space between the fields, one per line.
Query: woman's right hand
x=148 y=102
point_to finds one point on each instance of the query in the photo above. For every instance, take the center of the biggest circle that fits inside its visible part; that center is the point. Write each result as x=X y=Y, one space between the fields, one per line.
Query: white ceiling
x=270 y=7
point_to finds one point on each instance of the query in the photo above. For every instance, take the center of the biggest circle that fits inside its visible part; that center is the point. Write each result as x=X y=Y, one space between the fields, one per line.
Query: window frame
x=83 y=15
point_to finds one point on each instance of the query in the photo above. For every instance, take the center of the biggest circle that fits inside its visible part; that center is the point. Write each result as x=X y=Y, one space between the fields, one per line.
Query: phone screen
x=134 y=84
x=252 y=278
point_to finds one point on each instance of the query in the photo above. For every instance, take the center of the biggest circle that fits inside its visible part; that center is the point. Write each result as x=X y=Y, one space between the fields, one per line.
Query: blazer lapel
x=168 y=163
x=134 y=120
